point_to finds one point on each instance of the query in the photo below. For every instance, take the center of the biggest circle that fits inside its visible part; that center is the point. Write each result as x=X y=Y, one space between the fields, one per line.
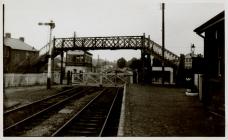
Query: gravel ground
x=159 y=111
x=49 y=126
x=26 y=95
x=18 y=96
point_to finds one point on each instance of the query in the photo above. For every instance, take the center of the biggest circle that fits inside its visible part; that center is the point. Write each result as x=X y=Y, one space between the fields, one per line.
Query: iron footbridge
x=60 y=45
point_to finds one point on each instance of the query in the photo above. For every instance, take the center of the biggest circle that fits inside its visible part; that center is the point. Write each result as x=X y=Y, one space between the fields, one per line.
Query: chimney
x=22 y=39
x=8 y=35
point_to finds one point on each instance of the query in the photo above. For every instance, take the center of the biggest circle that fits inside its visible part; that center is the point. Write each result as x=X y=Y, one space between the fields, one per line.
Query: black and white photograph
x=113 y=68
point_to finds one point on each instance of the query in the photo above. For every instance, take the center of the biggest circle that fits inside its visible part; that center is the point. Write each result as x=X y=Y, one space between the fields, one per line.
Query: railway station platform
x=149 y=111
x=155 y=111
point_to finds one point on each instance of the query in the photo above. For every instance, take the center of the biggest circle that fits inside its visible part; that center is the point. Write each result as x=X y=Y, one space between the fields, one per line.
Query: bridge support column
x=146 y=77
x=61 y=71
x=101 y=77
x=171 y=76
x=180 y=78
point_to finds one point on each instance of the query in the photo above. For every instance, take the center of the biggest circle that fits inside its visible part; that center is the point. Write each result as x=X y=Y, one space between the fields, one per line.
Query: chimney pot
x=8 y=35
x=22 y=39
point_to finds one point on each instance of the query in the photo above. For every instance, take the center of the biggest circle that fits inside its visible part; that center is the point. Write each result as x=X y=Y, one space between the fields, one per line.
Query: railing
x=102 y=78
x=44 y=50
x=112 y=43
x=156 y=49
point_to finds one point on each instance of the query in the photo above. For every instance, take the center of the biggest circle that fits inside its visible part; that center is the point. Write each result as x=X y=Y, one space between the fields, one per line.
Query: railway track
x=28 y=116
x=94 y=118
x=15 y=115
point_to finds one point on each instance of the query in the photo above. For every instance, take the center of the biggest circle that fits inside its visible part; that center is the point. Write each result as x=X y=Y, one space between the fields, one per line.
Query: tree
x=121 y=63
x=133 y=63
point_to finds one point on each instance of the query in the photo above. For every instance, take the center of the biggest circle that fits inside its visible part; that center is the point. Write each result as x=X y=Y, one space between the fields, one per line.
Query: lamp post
x=163 y=43
x=52 y=26
x=192 y=50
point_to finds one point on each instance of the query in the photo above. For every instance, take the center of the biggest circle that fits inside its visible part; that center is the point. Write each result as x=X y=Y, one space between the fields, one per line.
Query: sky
x=111 y=18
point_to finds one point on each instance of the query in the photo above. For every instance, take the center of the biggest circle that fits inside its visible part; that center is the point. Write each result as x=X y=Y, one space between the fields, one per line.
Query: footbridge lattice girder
x=96 y=43
x=108 y=43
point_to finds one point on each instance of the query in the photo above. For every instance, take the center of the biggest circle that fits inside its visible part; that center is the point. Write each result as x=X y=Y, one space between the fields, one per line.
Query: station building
x=157 y=72
x=78 y=61
x=213 y=33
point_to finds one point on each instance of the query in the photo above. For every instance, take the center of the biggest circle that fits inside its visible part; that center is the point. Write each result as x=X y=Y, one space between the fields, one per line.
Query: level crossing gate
x=106 y=79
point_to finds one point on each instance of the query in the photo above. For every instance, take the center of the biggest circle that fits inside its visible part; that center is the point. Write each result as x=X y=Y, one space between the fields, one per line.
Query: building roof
x=215 y=20
x=78 y=52
x=189 y=55
x=17 y=44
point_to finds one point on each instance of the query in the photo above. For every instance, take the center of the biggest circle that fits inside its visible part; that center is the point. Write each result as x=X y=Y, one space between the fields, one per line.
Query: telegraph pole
x=52 y=26
x=163 y=42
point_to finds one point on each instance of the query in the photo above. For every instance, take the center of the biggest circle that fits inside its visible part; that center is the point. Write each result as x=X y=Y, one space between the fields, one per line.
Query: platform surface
x=155 y=111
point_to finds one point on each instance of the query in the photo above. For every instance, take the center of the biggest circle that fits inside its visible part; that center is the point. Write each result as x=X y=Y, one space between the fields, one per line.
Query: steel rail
x=20 y=113
x=109 y=112
x=38 y=101
x=77 y=114
x=6 y=130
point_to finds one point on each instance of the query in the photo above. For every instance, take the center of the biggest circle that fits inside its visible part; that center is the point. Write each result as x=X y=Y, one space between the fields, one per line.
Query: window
x=73 y=58
x=216 y=34
x=77 y=59
x=81 y=59
x=219 y=62
x=87 y=59
x=27 y=55
x=6 y=52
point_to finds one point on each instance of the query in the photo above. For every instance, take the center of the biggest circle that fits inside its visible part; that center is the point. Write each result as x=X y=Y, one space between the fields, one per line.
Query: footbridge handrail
x=155 y=48
x=92 y=43
x=110 y=42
